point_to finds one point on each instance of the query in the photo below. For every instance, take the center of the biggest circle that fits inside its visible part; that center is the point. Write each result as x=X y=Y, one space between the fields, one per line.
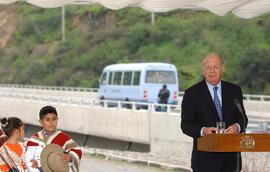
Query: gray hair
x=213 y=54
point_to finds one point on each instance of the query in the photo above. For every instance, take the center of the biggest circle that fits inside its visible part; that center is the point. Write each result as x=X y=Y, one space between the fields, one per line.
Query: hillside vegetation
x=96 y=37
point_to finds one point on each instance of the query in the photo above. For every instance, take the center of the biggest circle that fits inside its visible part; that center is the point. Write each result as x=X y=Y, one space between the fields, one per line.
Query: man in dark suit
x=206 y=103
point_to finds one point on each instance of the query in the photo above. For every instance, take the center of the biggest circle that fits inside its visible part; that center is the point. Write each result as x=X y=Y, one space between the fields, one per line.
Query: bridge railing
x=81 y=89
x=44 y=87
x=257 y=97
x=258 y=126
x=166 y=108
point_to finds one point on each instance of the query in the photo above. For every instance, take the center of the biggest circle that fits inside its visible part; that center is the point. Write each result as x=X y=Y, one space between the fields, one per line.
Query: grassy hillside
x=97 y=36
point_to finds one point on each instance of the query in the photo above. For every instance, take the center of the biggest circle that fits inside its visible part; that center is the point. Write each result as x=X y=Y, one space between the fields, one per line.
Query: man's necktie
x=217 y=103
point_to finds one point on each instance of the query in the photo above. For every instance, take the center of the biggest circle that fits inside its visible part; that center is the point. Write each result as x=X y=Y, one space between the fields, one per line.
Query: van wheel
x=101 y=102
x=127 y=105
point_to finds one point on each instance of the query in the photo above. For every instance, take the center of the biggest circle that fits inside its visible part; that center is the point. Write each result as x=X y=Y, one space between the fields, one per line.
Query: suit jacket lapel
x=208 y=99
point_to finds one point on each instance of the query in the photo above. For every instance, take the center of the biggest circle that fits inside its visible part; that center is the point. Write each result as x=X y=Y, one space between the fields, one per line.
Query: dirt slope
x=7 y=23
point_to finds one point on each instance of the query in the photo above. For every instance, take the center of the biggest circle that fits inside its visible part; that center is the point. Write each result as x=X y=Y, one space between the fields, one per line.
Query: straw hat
x=51 y=159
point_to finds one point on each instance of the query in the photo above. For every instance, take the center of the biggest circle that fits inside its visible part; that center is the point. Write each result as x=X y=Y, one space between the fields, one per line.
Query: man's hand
x=34 y=163
x=233 y=129
x=209 y=130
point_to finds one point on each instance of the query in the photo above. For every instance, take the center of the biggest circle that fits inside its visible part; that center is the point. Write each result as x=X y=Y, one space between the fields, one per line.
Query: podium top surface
x=255 y=142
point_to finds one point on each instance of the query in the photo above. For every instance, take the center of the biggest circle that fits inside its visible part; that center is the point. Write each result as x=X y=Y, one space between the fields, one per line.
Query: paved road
x=93 y=164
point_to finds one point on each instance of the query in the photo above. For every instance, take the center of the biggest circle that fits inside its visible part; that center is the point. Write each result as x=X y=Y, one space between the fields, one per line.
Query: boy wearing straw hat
x=71 y=154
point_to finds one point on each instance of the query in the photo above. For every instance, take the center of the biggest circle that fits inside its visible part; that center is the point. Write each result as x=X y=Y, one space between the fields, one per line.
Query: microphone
x=239 y=107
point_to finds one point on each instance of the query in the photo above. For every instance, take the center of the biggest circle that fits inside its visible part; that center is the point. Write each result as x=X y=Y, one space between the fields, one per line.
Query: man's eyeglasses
x=209 y=68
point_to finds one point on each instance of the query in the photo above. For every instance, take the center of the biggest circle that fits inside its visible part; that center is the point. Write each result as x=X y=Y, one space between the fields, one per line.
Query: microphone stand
x=239 y=107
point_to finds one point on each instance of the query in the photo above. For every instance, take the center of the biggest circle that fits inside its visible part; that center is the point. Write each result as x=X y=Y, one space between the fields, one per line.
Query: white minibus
x=138 y=82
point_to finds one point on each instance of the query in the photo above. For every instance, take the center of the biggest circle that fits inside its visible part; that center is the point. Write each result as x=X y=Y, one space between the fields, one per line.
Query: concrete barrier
x=159 y=130
x=126 y=125
x=166 y=134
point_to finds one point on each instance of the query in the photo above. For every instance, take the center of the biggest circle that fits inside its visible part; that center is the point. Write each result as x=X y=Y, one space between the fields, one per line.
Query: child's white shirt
x=33 y=153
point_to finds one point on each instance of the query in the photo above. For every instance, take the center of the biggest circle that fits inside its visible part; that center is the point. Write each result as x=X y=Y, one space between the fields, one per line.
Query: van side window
x=110 y=78
x=103 y=78
x=127 y=78
x=136 y=79
x=150 y=76
x=161 y=77
x=117 y=78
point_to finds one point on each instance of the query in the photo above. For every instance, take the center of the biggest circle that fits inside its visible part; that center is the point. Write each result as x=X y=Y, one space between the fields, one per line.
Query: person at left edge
x=11 y=150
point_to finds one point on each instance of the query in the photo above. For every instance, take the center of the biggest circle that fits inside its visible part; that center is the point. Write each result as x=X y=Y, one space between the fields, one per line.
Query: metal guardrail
x=81 y=89
x=56 y=88
x=256 y=97
x=167 y=108
x=258 y=127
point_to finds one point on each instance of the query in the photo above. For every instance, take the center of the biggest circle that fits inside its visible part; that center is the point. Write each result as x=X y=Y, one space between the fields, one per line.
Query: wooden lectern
x=235 y=143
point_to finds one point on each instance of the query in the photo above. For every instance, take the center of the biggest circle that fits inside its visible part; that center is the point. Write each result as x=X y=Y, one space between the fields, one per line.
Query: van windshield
x=103 y=78
x=158 y=76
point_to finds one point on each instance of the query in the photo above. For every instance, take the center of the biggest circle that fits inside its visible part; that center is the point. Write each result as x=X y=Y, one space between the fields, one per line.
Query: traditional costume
x=42 y=138
x=11 y=153
x=3 y=137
